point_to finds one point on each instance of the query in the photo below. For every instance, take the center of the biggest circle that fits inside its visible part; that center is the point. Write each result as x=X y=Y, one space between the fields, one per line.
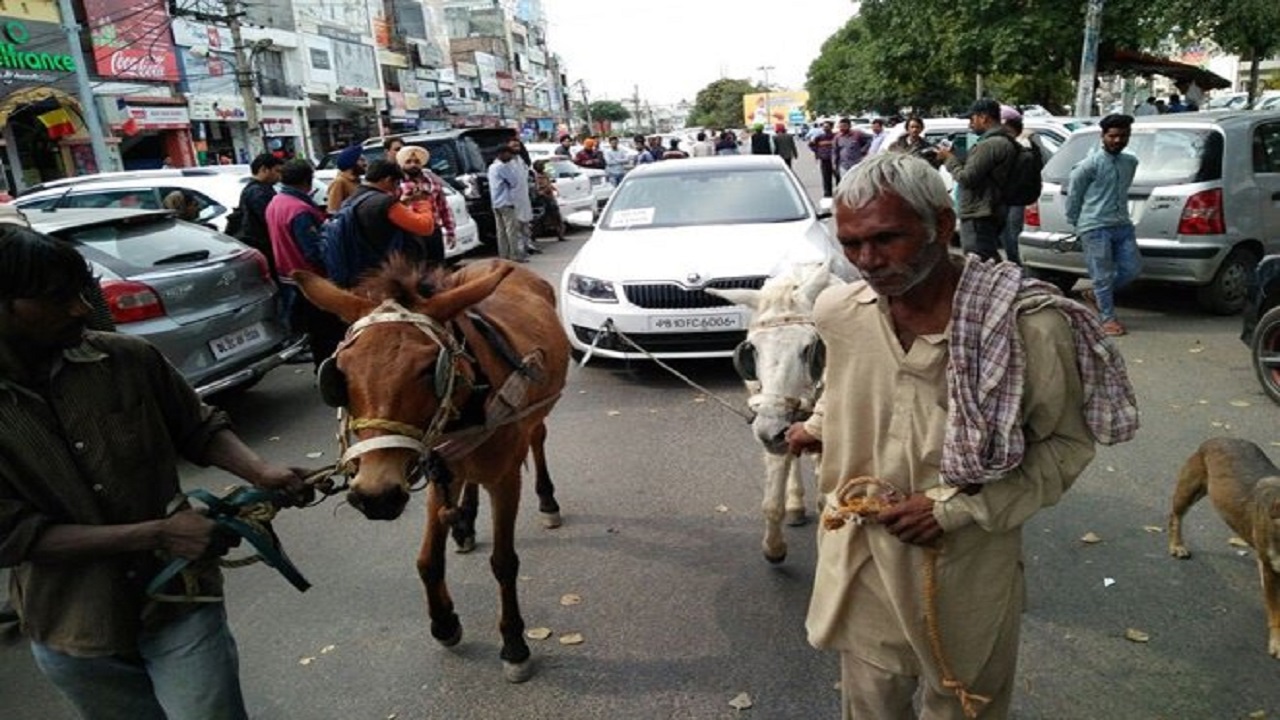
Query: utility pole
x=768 y=113
x=88 y=105
x=1088 y=59
x=586 y=106
x=244 y=79
x=635 y=104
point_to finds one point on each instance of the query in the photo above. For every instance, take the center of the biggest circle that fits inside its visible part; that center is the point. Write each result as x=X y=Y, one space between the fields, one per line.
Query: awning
x=19 y=99
x=1129 y=62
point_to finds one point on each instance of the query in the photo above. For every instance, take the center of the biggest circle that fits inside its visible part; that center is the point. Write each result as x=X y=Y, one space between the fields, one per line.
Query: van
x=460 y=157
x=1205 y=203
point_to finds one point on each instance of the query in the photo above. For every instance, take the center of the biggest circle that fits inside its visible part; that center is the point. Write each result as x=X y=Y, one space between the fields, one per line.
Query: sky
x=674 y=48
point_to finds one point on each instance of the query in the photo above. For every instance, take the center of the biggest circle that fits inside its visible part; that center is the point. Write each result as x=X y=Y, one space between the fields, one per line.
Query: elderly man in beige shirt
x=884 y=414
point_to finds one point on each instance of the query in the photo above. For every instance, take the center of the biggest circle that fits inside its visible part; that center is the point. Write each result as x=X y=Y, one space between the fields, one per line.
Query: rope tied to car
x=854 y=503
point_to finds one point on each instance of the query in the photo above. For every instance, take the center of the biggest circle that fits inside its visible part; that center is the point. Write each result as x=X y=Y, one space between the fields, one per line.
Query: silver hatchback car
x=202 y=298
x=1205 y=203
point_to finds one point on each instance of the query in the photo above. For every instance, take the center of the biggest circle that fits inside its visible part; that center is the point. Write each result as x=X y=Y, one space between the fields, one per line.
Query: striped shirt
x=97 y=444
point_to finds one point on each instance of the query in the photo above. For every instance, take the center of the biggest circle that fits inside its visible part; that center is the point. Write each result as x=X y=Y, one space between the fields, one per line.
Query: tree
x=941 y=53
x=610 y=110
x=719 y=104
x=1248 y=28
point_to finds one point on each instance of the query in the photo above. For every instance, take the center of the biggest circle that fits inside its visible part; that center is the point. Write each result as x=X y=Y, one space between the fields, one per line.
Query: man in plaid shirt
x=423 y=187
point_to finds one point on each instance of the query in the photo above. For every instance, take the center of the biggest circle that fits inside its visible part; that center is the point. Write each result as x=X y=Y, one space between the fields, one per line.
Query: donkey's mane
x=402 y=280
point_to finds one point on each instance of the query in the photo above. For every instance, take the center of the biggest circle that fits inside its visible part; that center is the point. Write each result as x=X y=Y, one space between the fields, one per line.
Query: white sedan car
x=674 y=229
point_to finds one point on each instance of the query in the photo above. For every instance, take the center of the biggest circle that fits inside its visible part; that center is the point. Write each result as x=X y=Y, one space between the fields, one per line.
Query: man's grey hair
x=910 y=178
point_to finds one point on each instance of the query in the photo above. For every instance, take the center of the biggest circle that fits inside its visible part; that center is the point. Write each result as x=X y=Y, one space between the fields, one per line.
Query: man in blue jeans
x=1098 y=208
x=90 y=501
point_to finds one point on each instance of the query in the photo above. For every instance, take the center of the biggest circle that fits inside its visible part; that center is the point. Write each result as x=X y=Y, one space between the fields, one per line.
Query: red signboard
x=131 y=39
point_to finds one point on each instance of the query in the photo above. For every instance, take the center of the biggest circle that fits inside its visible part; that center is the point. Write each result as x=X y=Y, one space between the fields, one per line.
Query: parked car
x=465 y=228
x=203 y=298
x=1268 y=100
x=601 y=188
x=1205 y=202
x=674 y=229
x=1262 y=325
x=461 y=157
x=216 y=191
x=1228 y=101
x=573 y=186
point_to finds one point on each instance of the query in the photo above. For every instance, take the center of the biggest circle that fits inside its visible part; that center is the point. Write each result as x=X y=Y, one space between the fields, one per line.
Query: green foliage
x=610 y=110
x=929 y=54
x=1248 y=28
x=719 y=104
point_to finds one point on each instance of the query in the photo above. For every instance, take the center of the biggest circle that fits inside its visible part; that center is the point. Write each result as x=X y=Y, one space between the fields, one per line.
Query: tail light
x=1202 y=214
x=1031 y=215
x=131 y=302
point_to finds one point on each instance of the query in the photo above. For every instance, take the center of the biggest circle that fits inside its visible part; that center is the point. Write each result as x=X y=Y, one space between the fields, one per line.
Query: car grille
x=664 y=342
x=672 y=296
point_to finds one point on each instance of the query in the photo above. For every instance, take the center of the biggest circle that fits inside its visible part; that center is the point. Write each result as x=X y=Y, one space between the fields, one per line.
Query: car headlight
x=592 y=289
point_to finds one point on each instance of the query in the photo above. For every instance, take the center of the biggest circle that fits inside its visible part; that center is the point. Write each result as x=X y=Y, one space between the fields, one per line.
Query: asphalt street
x=679 y=612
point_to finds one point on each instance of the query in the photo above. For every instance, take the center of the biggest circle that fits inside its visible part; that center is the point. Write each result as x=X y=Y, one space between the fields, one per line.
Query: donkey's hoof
x=775 y=559
x=465 y=546
x=551 y=520
x=517 y=672
x=452 y=640
x=796 y=518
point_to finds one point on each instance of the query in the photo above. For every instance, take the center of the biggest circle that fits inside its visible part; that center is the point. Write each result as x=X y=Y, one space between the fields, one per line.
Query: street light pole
x=768 y=112
x=244 y=80
x=1089 y=59
x=586 y=105
x=88 y=104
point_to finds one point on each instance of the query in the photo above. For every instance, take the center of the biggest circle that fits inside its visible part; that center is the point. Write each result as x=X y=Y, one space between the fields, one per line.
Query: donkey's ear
x=446 y=305
x=329 y=297
x=746 y=297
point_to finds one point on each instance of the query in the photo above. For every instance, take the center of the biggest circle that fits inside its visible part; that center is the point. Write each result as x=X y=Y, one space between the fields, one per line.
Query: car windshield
x=706 y=198
x=143 y=245
x=1166 y=156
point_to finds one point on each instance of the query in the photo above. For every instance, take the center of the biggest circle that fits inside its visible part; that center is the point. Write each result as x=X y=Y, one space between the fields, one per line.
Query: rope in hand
x=856 y=503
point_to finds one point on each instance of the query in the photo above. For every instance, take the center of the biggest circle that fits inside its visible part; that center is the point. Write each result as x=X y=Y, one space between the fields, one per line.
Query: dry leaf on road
x=1153 y=528
x=538 y=633
x=316 y=454
x=1237 y=542
x=570 y=599
x=571 y=639
x=1241 y=403
x=741 y=701
x=1136 y=636
x=1090 y=538
x=722 y=508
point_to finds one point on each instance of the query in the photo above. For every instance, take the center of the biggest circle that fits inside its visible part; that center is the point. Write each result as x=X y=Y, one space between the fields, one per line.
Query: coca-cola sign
x=131 y=39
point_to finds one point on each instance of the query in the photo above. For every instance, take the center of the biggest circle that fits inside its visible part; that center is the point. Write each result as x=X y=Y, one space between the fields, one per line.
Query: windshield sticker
x=631 y=216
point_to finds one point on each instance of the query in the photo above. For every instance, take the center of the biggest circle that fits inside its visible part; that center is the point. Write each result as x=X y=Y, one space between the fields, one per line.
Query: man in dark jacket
x=989 y=162
x=823 y=147
x=385 y=226
x=784 y=144
x=760 y=142
x=254 y=199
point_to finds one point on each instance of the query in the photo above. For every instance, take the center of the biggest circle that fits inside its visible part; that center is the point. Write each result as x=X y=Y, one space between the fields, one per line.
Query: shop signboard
x=34 y=54
x=217 y=108
x=158 y=117
x=131 y=39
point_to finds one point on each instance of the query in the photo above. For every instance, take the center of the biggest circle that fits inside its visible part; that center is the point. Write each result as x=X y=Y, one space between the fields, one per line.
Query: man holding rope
x=954 y=410
x=94 y=424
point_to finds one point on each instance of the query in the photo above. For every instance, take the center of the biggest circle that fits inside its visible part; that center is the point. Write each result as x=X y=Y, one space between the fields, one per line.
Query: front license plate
x=696 y=323
x=238 y=341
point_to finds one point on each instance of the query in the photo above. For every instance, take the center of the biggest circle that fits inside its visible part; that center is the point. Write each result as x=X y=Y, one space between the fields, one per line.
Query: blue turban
x=348 y=158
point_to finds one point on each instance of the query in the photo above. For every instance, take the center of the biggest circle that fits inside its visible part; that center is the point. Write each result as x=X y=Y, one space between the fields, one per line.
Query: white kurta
x=883 y=414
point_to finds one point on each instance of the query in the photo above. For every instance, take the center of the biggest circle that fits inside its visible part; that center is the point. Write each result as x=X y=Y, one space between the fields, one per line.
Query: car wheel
x=1266 y=353
x=1061 y=280
x=1228 y=292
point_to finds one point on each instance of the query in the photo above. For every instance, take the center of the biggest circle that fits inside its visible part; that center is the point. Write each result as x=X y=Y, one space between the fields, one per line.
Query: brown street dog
x=1245 y=488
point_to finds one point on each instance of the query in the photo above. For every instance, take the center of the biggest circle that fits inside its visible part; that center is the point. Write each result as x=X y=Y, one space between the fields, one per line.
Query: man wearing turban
x=351 y=166
x=423 y=191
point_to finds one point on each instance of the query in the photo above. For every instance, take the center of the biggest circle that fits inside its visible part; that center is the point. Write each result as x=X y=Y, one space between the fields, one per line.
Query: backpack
x=1021 y=184
x=235 y=222
x=347 y=252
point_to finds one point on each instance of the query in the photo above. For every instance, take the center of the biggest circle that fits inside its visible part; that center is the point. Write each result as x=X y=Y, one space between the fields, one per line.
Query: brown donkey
x=450 y=375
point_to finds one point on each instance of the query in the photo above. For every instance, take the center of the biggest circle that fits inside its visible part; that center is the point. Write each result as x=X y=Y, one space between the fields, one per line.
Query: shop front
x=154 y=132
x=345 y=88
x=44 y=136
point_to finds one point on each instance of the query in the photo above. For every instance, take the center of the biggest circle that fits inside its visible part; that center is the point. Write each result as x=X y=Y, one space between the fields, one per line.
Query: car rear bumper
x=251 y=372
x=570 y=206
x=1188 y=263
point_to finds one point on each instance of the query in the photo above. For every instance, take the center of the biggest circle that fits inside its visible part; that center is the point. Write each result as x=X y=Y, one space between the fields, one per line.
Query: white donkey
x=781 y=360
